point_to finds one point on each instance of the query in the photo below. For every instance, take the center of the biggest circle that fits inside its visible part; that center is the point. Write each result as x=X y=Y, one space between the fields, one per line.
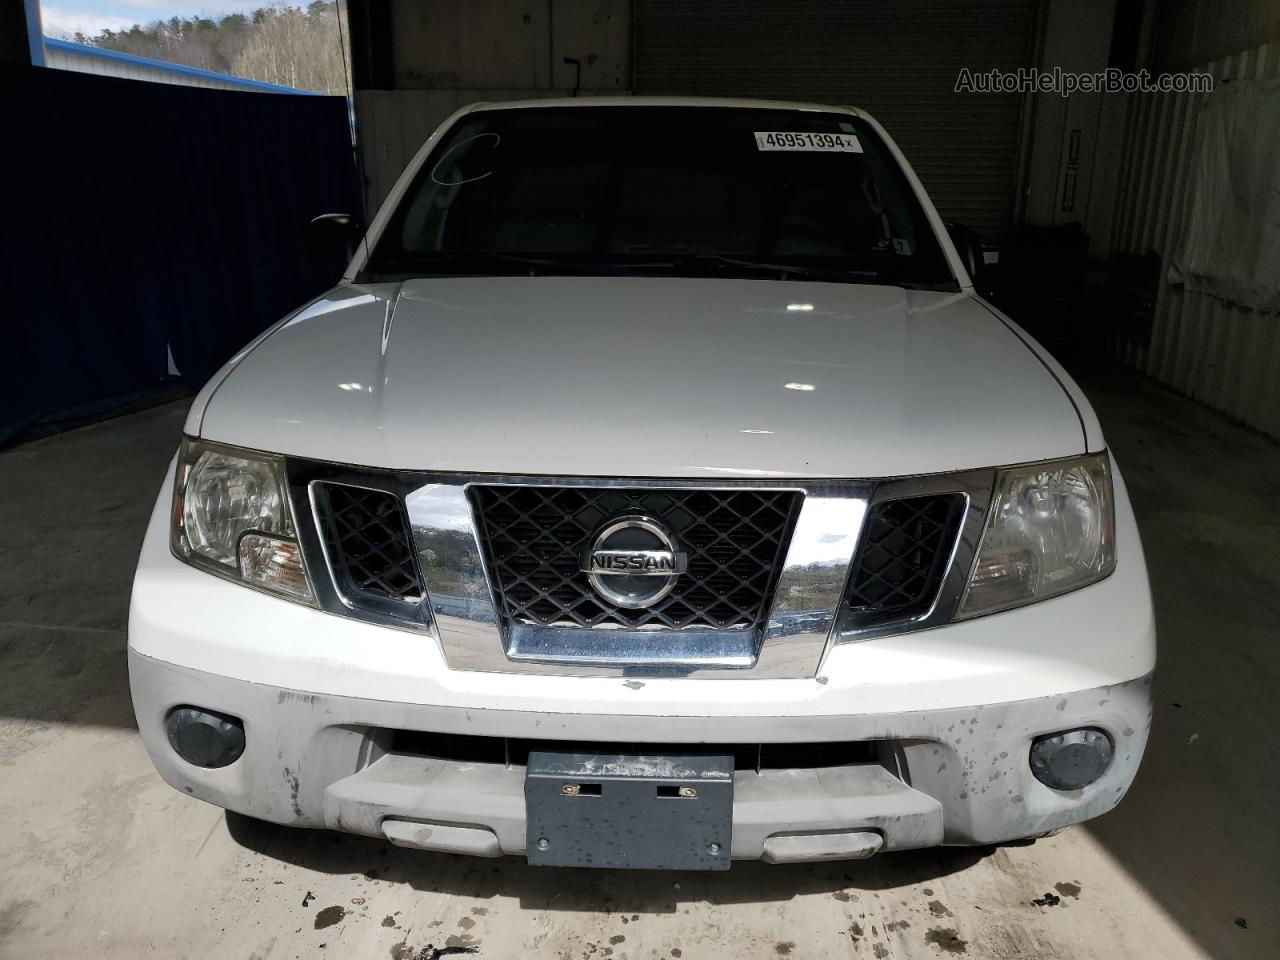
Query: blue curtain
x=143 y=218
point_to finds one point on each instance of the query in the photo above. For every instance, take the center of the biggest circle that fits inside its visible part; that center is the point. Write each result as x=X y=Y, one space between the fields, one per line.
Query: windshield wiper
x=445 y=263
x=782 y=271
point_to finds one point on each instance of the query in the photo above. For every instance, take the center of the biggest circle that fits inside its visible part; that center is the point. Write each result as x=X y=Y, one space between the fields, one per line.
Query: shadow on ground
x=1198 y=828
x=73 y=509
x=579 y=890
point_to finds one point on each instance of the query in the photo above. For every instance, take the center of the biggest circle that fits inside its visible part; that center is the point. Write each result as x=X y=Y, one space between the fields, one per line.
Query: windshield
x=685 y=191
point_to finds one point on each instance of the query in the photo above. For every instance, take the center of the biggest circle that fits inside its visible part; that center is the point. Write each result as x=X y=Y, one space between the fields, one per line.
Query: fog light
x=1071 y=759
x=204 y=738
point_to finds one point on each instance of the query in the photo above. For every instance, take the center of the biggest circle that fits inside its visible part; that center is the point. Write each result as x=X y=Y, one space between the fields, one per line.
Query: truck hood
x=644 y=377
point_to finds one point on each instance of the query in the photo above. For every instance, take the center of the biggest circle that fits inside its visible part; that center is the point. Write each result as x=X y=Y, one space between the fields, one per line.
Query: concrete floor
x=98 y=857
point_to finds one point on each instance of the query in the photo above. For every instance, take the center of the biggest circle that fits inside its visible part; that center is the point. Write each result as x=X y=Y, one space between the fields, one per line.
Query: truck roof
x=731 y=102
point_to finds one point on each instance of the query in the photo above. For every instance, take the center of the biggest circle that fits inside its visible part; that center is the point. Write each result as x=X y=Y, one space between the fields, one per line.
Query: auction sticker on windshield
x=816 y=142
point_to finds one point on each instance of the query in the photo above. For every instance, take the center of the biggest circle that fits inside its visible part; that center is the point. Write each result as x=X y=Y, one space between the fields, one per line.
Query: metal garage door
x=897 y=59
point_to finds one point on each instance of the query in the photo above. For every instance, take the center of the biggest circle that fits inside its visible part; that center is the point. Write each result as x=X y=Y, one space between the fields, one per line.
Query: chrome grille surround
x=807 y=613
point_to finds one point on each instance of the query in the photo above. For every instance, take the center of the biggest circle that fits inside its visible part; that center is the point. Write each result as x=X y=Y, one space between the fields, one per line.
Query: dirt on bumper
x=958 y=776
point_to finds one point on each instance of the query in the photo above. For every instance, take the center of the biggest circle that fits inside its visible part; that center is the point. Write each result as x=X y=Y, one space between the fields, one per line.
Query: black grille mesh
x=515 y=751
x=367 y=536
x=902 y=556
x=534 y=538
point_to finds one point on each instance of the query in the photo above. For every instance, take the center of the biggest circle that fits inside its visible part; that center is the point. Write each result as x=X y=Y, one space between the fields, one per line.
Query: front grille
x=367 y=537
x=534 y=539
x=902 y=557
x=514 y=751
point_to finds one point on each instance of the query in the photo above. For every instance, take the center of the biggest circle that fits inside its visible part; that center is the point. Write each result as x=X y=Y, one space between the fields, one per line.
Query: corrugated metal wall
x=151 y=223
x=60 y=59
x=899 y=60
x=61 y=55
x=1223 y=355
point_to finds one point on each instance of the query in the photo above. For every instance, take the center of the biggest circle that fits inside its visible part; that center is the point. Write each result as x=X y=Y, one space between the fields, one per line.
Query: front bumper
x=323 y=761
x=321 y=697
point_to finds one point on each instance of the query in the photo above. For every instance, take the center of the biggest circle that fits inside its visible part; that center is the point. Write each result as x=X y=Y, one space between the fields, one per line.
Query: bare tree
x=296 y=48
x=288 y=45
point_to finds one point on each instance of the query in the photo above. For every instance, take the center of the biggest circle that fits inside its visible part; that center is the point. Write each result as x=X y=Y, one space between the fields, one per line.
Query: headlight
x=231 y=516
x=1050 y=529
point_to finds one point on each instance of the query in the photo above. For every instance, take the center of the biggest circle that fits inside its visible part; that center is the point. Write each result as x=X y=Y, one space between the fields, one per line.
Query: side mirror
x=969 y=246
x=332 y=239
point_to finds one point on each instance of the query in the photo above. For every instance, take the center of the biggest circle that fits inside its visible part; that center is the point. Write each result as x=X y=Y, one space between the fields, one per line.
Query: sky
x=62 y=18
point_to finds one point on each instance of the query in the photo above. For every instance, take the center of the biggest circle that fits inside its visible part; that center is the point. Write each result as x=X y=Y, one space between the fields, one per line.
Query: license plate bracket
x=633 y=812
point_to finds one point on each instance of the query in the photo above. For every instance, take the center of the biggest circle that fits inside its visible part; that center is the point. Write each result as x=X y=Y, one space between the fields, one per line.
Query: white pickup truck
x=653 y=491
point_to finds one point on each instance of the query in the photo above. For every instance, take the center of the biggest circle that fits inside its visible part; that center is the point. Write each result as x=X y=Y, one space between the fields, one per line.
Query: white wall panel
x=1219 y=353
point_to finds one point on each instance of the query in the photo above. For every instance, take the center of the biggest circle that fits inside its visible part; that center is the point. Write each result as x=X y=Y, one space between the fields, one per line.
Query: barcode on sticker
x=815 y=142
